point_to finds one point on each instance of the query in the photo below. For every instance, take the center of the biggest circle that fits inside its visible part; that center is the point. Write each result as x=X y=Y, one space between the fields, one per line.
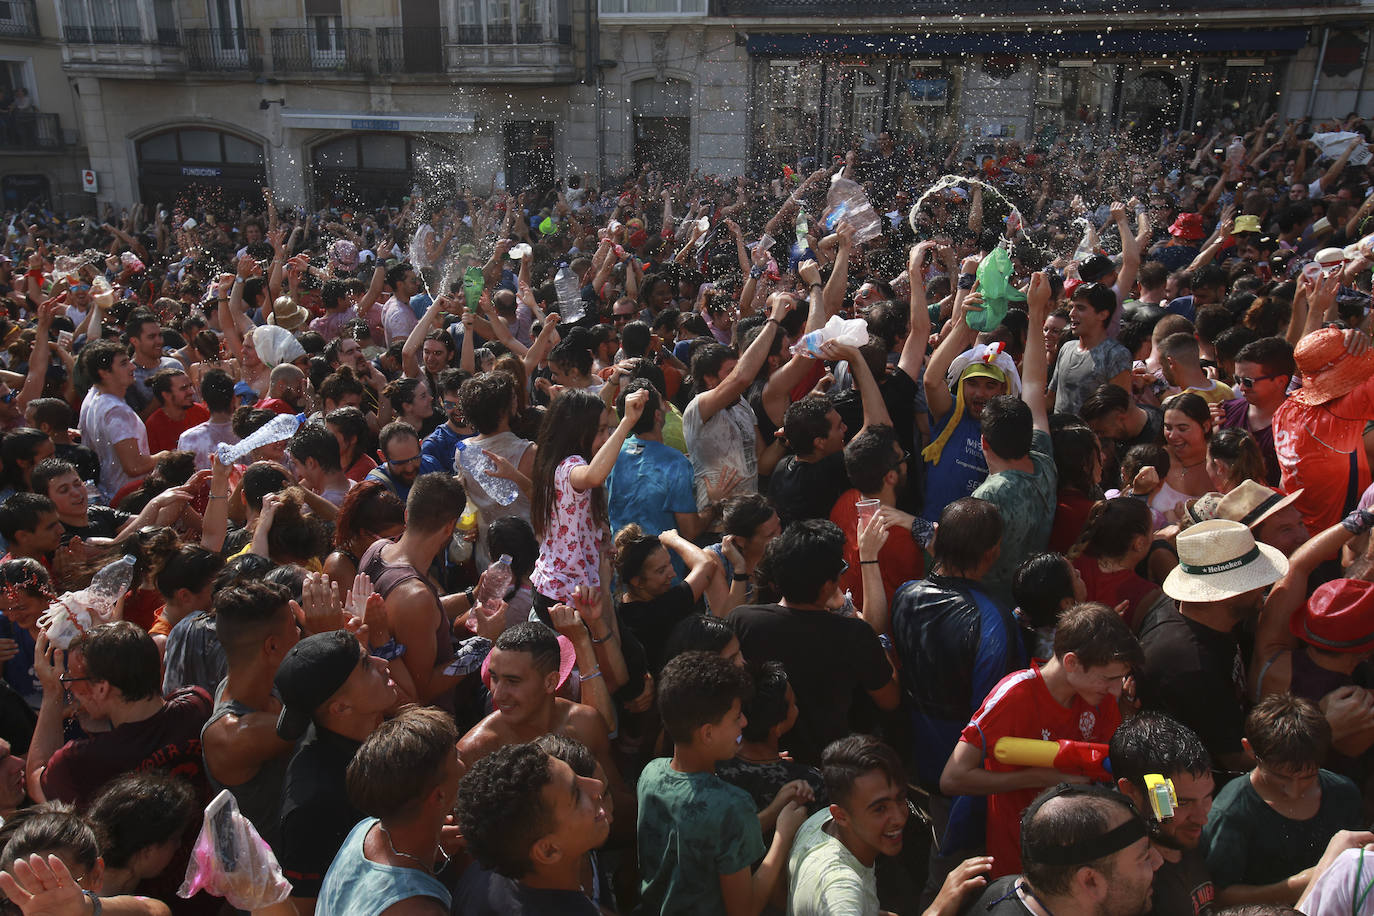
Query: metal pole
x=1364 y=71
x=1317 y=73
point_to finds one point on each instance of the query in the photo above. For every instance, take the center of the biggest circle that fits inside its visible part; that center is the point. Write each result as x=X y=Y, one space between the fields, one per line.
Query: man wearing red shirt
x=877 y=466
x=1074 y=696
x=177 y=410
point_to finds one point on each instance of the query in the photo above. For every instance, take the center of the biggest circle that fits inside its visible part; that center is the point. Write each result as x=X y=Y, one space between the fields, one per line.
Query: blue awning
x=1115 y=41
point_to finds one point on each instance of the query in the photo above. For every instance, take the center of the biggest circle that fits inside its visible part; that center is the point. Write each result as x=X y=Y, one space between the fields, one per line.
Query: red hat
x=1328 y=370
x=1339 y=617
x=1188 y=226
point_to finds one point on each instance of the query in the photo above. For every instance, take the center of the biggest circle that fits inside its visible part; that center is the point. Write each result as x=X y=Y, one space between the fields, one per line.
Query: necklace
x=416 y=859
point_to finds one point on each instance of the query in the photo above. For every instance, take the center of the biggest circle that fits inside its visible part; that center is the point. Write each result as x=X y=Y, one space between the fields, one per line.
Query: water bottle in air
x=495 y=582
x=570 y=307
x=847 y=201
x=1235 y=152
x=109 y=585
x=803 y=227
x=483 y=470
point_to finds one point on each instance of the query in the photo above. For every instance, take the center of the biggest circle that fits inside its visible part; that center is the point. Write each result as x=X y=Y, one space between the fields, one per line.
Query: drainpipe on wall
x=1317 y=73
x=1364 y=71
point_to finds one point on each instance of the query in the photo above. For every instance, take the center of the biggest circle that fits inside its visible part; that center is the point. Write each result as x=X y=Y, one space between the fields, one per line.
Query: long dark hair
x=569 y=429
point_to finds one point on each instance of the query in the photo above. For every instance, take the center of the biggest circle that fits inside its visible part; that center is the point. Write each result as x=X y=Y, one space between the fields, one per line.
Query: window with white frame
x=652 y=7
x=106 y=21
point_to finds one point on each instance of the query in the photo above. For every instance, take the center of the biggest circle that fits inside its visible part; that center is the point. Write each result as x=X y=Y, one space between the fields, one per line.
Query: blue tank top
x=357 y=886
x=961 y=469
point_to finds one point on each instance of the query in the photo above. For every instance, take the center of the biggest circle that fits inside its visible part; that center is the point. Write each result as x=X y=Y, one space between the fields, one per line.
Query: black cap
x=1095 y=268
x=312 y=672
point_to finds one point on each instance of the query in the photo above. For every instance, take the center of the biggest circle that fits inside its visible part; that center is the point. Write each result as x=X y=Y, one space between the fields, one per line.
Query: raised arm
x=875 y=408
x=415 y=340
x=586 y=476
x=747 y=368
x=959 y=338
x=913 y=353
x=1035 y=363
x=835 y=287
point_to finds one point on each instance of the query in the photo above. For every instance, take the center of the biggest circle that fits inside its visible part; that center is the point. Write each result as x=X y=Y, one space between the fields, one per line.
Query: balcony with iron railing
x=835 y=10
x=30 y=131
x=223 y=50
x=18 y=19
x=411 y=49
x=520 y=52
x=320 y=51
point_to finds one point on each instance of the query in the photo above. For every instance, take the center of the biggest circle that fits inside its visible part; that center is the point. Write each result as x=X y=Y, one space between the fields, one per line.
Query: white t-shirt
x=202 y=438
x=1335 y=891
x=398 y=320
x=106 y=420
x=728 y=438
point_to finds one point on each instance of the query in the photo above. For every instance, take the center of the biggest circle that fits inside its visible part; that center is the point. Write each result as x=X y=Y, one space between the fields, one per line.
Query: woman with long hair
x=1078 y=460
x=750 y=523
x=369 y=512
x=1115 y=540
x=349 y=426
x=576 y=451
x=1187 y=428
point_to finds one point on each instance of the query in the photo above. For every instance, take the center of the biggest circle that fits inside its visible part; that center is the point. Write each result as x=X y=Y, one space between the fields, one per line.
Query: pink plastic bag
x=231 y=861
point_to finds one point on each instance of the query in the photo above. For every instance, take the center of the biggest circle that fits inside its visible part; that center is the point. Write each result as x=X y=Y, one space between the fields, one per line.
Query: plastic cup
x=866 y=509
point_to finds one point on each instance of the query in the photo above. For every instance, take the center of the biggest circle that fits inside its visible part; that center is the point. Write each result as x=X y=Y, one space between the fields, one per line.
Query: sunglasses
x=1248 y=382
x=403 y=462
x=71 y=679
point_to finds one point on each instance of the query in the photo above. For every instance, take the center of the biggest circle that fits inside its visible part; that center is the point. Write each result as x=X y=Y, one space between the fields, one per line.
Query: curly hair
x=501 y=809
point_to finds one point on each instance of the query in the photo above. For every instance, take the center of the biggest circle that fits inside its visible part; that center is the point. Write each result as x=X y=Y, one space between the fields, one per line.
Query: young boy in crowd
x=699 y=836
x=1074 y=696
x=1268 y=828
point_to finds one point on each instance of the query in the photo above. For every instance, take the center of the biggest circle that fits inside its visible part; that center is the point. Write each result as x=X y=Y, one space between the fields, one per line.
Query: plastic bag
x=994 y=282
x=852 y=331
x=847 y=201
x=231 y=861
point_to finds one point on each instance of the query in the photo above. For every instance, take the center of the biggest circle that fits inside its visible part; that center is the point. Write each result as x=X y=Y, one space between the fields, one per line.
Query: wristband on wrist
x=593 y=674
x=868 y=562
x=605 y=639
x=966 y=281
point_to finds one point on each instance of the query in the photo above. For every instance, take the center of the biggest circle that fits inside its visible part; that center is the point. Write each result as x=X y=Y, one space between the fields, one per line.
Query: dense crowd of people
x=930 y=533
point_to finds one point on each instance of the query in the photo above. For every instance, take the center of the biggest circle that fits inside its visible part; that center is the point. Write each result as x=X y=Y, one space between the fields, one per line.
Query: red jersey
x=163 y=431
x=1021 y=706
x=899 y=559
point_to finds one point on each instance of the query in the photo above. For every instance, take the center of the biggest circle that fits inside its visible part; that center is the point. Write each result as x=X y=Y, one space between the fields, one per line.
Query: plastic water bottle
x=851 y=331
x=570 y=306
x=109 y=585
x=803 y=228
x=483 y=470
x=846 y=200
x=495 y=582
x=1235 y=151
x=473 y=284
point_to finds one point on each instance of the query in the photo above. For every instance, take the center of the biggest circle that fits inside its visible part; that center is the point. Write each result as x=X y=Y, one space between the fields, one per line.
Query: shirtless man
x=523 y=666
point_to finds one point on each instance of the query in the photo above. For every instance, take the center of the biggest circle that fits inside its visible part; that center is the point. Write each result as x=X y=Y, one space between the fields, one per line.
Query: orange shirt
x=1318 y=447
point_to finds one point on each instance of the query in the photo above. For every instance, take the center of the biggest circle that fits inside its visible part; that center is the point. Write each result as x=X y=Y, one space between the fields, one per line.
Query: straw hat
x=1251 y=503
x=1339 y=617
x=1219 y=559
x=1328 y=370
x=287 y=314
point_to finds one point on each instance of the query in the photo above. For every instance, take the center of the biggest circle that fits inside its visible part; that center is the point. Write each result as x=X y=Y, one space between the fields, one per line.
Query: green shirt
x=1248 y=842
x=1027 y=502
x=693 y=828
x=826 y=879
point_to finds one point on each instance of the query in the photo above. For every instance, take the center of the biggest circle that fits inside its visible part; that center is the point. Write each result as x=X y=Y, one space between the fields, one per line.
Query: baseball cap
x=312 y=672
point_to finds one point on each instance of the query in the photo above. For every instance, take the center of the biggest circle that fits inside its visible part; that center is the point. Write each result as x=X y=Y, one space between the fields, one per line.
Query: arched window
x=184 y=162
